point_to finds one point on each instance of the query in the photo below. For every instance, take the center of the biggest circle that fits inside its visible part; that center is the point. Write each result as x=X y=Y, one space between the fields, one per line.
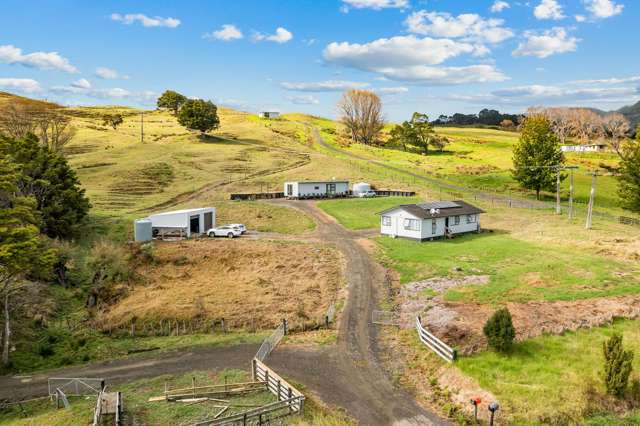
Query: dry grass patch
x=246 y=282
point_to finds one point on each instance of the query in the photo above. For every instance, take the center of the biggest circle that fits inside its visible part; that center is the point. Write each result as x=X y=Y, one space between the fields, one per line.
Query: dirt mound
x=248 y=283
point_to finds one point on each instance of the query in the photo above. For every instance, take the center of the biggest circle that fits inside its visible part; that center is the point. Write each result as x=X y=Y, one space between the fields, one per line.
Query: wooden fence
x=443 y=350
x=274 y=195
x=392 y=193
x=257 y=196
x=258 y=416
x=278 y=386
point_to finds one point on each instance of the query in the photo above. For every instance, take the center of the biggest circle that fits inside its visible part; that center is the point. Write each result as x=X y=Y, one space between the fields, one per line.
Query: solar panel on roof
x=439 y=205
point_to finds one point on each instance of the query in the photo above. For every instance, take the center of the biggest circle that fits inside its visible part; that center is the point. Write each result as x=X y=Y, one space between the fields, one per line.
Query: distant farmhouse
x=269 y=114
x=430 y=220
x=320 y=189
x=584 y=148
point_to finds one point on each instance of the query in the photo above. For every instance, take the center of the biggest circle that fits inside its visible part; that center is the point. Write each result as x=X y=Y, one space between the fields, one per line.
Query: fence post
x=326 y=321
x=285 y=326
x=278 y=389
x=253 y=369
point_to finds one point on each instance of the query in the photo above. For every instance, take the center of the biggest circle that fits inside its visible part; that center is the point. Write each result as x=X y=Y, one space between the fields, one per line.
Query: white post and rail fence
x=441 y=349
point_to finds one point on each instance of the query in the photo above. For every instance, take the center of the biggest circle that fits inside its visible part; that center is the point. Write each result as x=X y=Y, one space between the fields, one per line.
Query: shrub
x=499 y=330
x=45 y=350
x=109 y=263
x=617 y=366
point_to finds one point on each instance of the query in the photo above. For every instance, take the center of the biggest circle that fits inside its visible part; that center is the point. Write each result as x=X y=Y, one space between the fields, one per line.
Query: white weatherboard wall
x=396 y=228
x=464 y=225
x=314 y=189
x=427 y=228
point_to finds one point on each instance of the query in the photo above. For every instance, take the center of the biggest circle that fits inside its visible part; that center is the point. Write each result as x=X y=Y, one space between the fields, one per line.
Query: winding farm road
x=349 y=375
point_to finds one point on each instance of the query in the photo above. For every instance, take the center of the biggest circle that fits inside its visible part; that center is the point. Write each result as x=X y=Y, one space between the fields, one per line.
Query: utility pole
x=142 y=127
x=592 y=196
x=570 y=194
x=558 y=207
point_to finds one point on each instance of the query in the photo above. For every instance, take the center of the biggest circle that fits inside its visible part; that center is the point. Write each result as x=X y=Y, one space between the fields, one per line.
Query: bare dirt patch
x=246 y=282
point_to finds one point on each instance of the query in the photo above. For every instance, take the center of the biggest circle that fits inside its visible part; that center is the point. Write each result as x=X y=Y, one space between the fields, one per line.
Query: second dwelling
x=430 y=220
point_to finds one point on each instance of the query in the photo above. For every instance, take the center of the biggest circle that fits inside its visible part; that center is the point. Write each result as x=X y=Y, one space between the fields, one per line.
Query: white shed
x=269 y=114
x=430 y=220
x=307 y=189
x=187 y=221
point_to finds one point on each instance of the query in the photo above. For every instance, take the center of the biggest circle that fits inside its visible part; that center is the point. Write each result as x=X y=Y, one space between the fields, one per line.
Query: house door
x=331 y=188
x=194 y=224
x=208 y=221
x=289 y=189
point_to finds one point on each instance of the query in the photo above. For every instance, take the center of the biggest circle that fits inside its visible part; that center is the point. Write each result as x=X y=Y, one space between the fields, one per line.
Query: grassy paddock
x=549 y=372
x=362 y=213
x=519 y=271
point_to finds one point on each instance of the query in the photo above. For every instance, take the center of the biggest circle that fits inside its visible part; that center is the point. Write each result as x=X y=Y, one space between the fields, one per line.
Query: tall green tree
x=197 y=114
x=629 y=174
x=171 y=100
x=417 y=132
x=21 y=250
x=47 y=176
x=617 y=365
x=537 y=155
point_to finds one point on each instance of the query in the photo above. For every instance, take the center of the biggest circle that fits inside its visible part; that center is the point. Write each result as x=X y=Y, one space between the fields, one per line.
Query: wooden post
x=253 y=370
x=285 y=326
x=193 y=384
x=326 y=321
x=278 y=396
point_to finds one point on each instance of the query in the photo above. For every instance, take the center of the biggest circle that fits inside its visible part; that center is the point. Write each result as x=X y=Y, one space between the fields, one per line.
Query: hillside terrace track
x=349 y=375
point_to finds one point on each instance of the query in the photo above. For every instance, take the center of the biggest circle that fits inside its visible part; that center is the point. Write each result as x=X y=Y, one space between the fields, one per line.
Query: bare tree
x=617 y=128
x=586 y=124
x=54 y=128
x=361 y=113
x=16 y=120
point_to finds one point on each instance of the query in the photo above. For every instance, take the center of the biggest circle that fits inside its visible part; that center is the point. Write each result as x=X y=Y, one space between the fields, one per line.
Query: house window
x=316 y=188
x=471 y=218
x=456 y=220
x=434 y=226
x=411 y=224
x=386 y=220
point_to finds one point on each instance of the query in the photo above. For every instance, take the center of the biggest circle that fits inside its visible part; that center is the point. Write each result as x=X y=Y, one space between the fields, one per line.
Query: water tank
x=142 y=230
x=359 y=188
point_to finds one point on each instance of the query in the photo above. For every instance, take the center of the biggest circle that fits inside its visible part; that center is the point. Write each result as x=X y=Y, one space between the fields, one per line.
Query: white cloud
x=612 y=80
x=303 y=100
x=549 y=9
x=228 y=32
x=109 y=74
x=146 y=21
x=547 y=43
x=468 y=26
x=374 y=4
x=395 y=52
x=42 y=60
x=26 y=85
x=282 y=35
x=324 y=86
x=421 y=74
x=499 y=5
x=580 y=18
x=391 y=90
x=601 y=9
x=83 y=83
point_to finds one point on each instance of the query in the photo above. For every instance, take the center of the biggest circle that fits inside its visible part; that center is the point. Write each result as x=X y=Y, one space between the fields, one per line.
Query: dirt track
x=130 y=369
x=349 y=375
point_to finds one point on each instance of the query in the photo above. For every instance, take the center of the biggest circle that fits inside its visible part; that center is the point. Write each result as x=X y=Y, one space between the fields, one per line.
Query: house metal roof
x=423 y=211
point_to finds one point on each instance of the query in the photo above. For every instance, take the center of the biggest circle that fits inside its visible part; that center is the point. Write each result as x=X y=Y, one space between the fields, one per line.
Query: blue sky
x=433 y=56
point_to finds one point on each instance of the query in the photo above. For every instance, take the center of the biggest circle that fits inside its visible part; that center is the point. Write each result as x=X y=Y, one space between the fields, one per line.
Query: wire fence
x=271 y=342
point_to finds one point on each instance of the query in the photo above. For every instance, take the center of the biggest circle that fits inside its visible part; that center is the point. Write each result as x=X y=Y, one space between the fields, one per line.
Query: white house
x=430 y=220
x=584 y=148
x=186 y=222
x=305 y=189
x=269 y=114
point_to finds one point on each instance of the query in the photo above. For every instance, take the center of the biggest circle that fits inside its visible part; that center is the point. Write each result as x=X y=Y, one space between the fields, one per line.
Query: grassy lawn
x=161 y=413
x=362 y=213
x=547 y=375
x=519 y=271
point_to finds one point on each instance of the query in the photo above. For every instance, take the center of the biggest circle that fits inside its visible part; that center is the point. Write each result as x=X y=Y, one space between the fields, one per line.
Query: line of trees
x=194 y=114
x=417 y=132
x=487 y=117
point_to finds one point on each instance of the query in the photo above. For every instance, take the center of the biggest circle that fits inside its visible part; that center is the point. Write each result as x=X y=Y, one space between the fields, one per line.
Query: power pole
x=592 y=197
x=558 y=207
x=142 y=127
x=570 y=194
